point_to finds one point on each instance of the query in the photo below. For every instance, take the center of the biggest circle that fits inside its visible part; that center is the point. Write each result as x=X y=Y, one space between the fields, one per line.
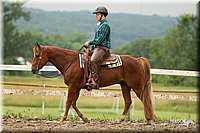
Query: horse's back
x=129 y=60
x=135 y=67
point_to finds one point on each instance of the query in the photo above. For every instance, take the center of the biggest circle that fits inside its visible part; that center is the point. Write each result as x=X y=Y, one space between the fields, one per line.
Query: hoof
x=62 y=120
x=86 y=120
x=150 y=122
x=120 y=121
x=122 y=118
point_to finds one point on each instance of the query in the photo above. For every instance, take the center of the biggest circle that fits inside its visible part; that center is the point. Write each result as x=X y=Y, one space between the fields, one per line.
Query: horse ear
x=37 y=45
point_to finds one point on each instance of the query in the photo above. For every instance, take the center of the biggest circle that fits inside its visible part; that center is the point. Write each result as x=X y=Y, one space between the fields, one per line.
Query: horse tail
x=147 y=92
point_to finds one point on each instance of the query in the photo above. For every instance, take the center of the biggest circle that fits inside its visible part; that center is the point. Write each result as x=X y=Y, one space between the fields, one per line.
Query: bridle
x=38 y=60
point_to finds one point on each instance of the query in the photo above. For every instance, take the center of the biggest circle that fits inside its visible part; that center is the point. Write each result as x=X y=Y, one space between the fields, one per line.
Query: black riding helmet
x=102 y=10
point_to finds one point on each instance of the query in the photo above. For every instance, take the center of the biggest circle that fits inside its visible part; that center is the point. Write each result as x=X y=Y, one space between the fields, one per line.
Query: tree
x=137 y=48
x=178 y=50
x=179 y=45
x=13 y=41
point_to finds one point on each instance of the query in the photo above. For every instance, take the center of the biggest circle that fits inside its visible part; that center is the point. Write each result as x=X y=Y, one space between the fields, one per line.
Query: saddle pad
x=81 y=61
x=117 y=63
x=108 y=64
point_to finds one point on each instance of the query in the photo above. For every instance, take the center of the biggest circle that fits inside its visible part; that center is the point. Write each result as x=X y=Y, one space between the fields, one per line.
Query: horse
x=133 y=74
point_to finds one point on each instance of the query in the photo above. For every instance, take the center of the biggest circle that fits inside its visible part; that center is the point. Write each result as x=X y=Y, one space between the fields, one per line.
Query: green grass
x=97 y=102
x=91 y=113
x=93 y=107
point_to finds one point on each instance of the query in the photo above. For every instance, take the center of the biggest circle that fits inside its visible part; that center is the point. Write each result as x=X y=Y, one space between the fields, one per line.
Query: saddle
x=108 y=61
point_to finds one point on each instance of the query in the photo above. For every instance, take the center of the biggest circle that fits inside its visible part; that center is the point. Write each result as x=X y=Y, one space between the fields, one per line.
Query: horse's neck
x=61 y=58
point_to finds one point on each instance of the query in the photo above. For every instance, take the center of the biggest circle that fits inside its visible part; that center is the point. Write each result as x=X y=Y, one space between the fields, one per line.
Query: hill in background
x=125 y=27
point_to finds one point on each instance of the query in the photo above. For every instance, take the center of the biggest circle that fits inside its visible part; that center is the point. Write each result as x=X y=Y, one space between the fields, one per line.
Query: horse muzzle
x=34 y=70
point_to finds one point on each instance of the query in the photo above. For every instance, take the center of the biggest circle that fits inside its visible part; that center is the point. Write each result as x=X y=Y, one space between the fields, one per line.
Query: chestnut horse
x=133 y=74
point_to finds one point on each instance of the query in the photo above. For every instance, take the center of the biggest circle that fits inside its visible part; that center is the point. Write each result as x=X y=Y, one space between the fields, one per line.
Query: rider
x=101 y=44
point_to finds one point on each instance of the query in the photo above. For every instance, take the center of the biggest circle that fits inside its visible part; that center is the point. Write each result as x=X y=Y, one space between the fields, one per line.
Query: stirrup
x=90 y=86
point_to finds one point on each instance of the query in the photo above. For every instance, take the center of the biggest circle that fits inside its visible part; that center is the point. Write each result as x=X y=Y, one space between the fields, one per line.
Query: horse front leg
x=77 y=110
x=70 y=98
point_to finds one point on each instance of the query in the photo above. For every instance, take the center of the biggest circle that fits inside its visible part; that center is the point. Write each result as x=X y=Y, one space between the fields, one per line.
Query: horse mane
x=62 y=50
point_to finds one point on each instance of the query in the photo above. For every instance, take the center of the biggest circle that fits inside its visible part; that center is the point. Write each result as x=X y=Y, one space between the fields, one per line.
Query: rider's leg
x=95 y=66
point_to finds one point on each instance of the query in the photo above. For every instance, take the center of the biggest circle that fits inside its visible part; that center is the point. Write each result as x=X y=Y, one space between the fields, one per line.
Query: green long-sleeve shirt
x=102 y=35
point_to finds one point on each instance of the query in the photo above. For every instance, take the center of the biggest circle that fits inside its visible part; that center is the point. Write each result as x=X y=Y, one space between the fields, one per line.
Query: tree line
x=176 y=49
x=124 y=27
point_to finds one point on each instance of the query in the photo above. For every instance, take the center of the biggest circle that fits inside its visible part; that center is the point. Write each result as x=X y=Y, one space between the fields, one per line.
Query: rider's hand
x=86 y=45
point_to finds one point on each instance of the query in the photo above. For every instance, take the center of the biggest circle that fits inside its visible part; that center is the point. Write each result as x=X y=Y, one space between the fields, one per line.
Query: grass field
x=93 y=107
x=91 y=113
x=31 y=106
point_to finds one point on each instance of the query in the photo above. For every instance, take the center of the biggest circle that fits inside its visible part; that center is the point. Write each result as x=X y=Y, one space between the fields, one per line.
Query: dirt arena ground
x=30 y=125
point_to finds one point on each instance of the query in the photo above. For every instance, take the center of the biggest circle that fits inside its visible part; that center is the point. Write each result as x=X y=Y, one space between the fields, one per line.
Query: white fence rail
x=153 y=71
x=25 y=68
x=175 y=72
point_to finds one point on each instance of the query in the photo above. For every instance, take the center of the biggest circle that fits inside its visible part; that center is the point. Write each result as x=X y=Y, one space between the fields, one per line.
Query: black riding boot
x=94 y=79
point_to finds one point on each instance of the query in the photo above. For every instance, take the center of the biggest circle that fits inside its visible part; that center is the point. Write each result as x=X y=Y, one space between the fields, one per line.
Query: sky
x=143 y=7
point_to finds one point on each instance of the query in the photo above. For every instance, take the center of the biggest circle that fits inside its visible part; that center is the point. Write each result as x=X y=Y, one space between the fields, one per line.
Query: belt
x=103 y=47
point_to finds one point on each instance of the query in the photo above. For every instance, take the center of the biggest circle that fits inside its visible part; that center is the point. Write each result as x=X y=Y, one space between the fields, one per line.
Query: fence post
x=64 y=100
x=132 y=97
x=43 y=97
x=115 y=103
x=113 y=106
x=42 y=104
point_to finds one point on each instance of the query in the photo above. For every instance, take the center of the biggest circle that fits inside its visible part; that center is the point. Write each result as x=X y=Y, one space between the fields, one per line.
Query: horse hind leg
x=147 y=99
x=145 y=95
x=127 y=100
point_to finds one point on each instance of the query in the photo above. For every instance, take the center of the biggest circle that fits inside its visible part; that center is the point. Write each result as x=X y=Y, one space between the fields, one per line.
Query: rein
x=48 y=74
x=58 y=73
x=74 y=59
